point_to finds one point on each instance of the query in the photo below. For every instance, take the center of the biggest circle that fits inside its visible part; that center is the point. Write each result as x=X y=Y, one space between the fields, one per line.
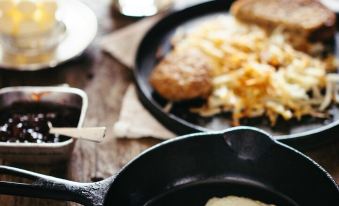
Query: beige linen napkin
x=134 y=120
x=123 y=43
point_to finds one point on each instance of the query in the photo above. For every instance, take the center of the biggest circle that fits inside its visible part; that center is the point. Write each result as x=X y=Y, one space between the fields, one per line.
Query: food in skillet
x=252 y=71
x=183 y=75
x=234 y=201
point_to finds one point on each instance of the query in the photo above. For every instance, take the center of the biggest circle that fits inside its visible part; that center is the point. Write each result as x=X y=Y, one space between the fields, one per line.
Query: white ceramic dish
x=81 y=28
x=42 y=152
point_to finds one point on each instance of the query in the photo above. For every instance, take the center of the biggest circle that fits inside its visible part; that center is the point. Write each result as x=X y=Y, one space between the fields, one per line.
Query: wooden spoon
x=94 y=134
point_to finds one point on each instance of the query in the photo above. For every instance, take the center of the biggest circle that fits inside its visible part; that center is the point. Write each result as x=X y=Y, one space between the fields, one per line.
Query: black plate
x=308 y=132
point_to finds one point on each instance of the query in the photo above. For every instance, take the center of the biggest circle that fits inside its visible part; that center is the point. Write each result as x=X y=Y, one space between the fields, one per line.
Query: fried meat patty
x=183 y=75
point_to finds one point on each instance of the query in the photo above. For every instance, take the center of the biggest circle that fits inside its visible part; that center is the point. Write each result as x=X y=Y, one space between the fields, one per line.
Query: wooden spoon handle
x=95 y=134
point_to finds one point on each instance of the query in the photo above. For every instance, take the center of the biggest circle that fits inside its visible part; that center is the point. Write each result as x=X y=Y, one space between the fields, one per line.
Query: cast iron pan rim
x=188 y=137
x=165 y=118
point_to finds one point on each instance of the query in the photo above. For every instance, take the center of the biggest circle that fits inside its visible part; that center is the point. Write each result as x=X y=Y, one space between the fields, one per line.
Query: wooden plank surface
x=105 y=81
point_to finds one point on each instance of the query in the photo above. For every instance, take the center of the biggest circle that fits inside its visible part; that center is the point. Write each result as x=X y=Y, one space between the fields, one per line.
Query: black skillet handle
x=248 y=142
x=46 y=187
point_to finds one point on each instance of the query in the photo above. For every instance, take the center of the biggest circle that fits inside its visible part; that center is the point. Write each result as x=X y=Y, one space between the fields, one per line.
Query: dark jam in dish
x=28 y=122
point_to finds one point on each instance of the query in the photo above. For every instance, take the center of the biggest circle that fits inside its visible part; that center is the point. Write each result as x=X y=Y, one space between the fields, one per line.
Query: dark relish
x=28 y=121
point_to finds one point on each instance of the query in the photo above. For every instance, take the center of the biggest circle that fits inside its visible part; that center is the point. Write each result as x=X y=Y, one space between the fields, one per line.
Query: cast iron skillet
x=191 y=169
x=308 y=132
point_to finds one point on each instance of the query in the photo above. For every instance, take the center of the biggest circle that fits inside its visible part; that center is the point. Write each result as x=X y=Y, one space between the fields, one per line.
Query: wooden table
x=105 y=80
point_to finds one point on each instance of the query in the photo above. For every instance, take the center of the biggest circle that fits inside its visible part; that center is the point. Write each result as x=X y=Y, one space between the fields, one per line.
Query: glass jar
x=141 y=8
x=29 y=26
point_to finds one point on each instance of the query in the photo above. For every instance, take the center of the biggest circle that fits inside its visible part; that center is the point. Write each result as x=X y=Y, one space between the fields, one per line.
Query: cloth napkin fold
x=134 y=121
x=123 y=44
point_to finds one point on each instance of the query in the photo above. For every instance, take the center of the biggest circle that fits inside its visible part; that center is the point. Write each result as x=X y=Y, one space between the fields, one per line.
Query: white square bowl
x=42 y=153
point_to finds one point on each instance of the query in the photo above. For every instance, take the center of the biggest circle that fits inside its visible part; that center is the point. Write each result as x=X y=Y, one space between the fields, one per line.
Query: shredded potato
x=259 y=73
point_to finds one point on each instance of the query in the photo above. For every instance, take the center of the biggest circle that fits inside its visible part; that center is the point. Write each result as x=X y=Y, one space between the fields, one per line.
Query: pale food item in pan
x=234 y=201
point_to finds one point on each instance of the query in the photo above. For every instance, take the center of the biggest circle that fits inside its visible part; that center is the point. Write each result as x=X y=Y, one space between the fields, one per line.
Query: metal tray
x=42 y=152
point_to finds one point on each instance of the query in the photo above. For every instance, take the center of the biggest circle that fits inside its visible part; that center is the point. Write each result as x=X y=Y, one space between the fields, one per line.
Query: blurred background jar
x=331 y=4
x=141 y=8
x=29 y=27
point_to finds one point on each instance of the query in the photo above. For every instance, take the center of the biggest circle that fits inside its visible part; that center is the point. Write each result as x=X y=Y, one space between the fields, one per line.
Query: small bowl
x=34 y=45
x=42 y=152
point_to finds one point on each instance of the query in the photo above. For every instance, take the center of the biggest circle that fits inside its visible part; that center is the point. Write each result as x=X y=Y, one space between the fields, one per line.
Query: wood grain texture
x=105 y=81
